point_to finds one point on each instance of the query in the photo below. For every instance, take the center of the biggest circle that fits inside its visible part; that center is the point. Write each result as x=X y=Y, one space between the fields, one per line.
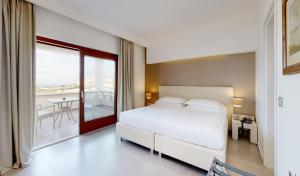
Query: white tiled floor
x=99 y=153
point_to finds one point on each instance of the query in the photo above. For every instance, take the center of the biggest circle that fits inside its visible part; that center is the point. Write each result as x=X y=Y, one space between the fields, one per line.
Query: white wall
x=58 y=27
x=223 y=34
x=288 y=117
x=52 y=25
x=287 y=153
x=139 y=76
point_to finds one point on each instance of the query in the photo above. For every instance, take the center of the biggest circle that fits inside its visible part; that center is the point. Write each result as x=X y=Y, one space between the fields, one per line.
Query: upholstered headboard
x=221 y=94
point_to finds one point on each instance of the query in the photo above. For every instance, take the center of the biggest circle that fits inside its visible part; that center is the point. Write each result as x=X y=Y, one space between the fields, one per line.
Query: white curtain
x=125 y=82
x=17 y=83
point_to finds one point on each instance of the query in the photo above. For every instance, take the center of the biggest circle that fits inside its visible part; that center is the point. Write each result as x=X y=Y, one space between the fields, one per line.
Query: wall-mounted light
x=237 y=102
x=148 y=95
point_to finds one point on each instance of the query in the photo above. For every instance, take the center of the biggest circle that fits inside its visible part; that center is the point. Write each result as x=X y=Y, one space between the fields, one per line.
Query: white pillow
x=171 y=100
x=205 y=104
x=169 y=104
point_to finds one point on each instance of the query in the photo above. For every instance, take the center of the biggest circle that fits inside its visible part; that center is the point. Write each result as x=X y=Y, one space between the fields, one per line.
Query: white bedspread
x=201 y=127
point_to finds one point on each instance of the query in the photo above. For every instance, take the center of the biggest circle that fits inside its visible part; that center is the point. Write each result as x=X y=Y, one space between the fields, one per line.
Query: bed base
x=195 y=155
x=135 y=135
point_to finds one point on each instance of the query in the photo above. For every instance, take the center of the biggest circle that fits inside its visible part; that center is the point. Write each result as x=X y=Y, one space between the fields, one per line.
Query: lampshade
x=148 y=95
x=237 y=102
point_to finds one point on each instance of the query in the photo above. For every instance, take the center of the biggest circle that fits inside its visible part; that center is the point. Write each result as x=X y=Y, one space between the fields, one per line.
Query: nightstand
x=236 y=124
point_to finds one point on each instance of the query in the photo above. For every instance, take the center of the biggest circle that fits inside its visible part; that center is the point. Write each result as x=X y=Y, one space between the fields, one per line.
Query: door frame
x=270 y=59
x=92 y=52
x=104 y=121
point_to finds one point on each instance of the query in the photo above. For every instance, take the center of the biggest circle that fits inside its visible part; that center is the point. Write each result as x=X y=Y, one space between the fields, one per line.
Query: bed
x=192 y=136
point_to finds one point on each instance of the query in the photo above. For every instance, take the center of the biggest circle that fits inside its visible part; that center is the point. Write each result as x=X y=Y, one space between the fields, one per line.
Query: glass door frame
x=103 y=121
x=85 y=127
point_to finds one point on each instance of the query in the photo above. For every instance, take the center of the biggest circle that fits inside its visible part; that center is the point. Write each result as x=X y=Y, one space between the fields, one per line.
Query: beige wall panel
x=237 y=70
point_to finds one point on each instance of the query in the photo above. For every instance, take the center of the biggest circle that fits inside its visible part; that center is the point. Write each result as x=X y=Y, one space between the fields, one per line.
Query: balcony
x=57 y=122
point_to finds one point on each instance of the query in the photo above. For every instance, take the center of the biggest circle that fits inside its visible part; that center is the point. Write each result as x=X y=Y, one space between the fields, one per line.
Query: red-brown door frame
x=101 y=122
x=104 y=121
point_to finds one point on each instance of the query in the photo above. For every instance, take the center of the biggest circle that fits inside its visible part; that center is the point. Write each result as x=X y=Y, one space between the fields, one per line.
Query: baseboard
x=259 y=149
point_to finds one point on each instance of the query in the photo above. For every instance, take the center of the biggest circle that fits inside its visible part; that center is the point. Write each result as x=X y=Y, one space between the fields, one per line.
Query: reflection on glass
x=99 y=88
x=52 y=76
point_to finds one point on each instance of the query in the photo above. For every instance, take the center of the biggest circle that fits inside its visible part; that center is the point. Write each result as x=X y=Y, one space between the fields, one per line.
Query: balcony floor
x=47 y=135
x=98 y=111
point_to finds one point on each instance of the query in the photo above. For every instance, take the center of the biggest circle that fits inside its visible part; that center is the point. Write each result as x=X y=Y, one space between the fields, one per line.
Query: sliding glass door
x=93 y=76
x=98 y=90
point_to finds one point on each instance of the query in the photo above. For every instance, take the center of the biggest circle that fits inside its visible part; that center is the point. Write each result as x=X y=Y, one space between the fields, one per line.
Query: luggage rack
x=218 y=168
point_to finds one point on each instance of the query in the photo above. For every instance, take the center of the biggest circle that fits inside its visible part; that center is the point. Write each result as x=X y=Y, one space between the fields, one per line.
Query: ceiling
x=145 y=20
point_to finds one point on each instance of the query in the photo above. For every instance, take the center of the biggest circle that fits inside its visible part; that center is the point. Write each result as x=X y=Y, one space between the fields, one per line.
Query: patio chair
x=90 y=102
x=45 y=112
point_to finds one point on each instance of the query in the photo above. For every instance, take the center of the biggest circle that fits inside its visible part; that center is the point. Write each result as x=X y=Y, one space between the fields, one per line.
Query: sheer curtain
x=17 y=83
x=125 y=83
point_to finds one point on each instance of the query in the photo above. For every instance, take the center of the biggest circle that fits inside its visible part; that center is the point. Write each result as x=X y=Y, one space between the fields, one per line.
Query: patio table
x=65 y=106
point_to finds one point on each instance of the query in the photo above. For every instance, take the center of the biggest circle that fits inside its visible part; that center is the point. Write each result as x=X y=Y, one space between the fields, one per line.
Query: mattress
x=207 y=128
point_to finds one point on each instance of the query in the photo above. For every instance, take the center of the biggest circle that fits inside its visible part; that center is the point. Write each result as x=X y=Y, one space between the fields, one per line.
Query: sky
x=58 y=66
